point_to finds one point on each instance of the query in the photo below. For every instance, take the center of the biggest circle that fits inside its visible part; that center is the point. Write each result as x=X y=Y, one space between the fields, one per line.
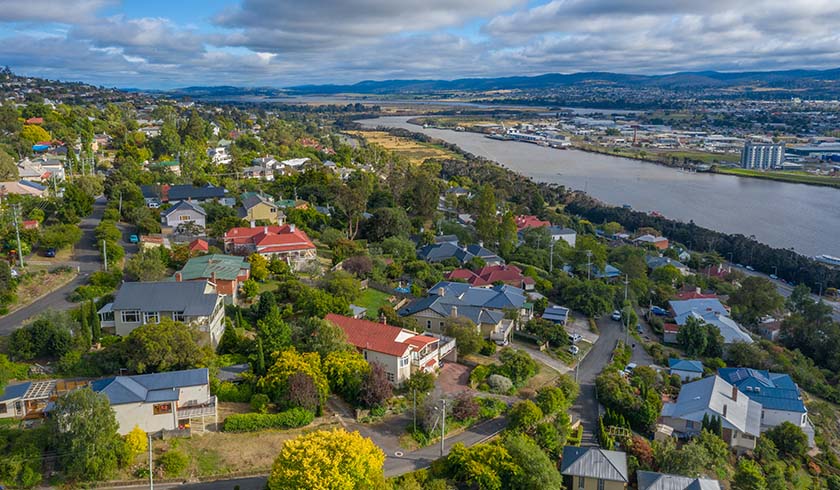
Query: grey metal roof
x=187 y=296
x=685 y=365
x=556 y=313
x=155 y=387
x=649 y=480
x=710 y=396
x=185 y=205
x=184 y=192
x=15 y=391
x=592 y=462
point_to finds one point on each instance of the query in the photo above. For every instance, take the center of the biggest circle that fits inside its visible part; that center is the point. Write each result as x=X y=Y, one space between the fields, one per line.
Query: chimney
x=213 y=276
x=178 y=276
x=724 y=411
x=454 y=312
x=291 y=227
x=253 y=225
x=383 y=319
x=441 y=291
x=734 y=394
x=265 y=230
x=698 y=290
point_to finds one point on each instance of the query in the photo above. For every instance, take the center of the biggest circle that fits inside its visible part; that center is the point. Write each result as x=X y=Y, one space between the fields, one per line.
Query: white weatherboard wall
x=686 y=375
x=772 y=418
x=391 y=365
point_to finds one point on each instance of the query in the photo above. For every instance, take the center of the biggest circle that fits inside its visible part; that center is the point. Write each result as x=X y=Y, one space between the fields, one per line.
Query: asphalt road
x=586 y=407
x=85 y=257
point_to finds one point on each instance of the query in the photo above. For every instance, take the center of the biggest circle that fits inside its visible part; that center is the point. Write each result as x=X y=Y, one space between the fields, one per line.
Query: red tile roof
x=686 y=295
x=490 y=274
x=35 y=120
x=529 y=221
x=671 y=327
x=379 y=337
x=198 y=245
x=276 y=238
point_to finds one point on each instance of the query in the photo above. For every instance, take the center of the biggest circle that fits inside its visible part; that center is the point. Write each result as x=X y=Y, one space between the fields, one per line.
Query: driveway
x=85 y=259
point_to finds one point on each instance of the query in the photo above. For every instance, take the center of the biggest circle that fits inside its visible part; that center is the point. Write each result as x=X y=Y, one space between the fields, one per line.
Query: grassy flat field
x=783 y=176
x=414 y=151
x=372 y=299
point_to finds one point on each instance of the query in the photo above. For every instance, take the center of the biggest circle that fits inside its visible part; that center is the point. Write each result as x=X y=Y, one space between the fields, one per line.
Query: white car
x=154 y=205
x=574 y=350
x=616 y=315
x=575 y=338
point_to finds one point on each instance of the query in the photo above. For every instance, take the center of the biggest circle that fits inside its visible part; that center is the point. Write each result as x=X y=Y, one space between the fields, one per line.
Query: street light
x=589 y=265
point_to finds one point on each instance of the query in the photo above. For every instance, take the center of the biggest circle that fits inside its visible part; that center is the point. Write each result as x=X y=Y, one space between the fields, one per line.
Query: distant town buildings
x=762 y=156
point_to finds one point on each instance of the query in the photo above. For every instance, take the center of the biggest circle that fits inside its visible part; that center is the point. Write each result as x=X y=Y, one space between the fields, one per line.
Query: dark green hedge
x=250 y=422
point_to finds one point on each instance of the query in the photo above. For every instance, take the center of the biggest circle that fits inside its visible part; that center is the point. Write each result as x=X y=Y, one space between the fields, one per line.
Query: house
x=153 y=241
x=655 y=262
x=225 y=272
x=770 y=329
x=649 y=480
x=184 y=212
x=41 y=169
x=694 y=293
x=176 y=400
x=257 y=206
x=27 y=399
x=669 y=333
x=198 y=246
x=439 y=252
x=556 y=314
x=529 y=221
x=568 y=235
x=609 y=272
x=22 y=188
x=658 y=242
x=485 y=307
x=173 y=166
x=453 y=239
x=711 y=311
x=400 y=352
x=592 y=468
x=779 y=396
x=173 y=194
x=286 y=242
x=715 y=397
x=490 y=275
x=190 y=302
x=686 y=369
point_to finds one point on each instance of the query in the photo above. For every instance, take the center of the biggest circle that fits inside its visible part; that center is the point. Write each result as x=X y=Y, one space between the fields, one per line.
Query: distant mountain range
x=789 y=79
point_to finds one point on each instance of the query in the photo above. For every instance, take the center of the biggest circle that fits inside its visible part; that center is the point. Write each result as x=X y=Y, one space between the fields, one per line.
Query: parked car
x=658 y=311
x=628 y=370
x=15 y=273
x=616 y=315
x=154 y=205
x=639 y=328
x=774 y=277
x=574 y=350
x=575 y=338
x=134 y=239
x=750 y=268
x=50 y=252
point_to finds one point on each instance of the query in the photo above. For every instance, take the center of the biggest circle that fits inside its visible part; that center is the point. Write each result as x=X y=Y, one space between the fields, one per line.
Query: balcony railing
x=192 y=409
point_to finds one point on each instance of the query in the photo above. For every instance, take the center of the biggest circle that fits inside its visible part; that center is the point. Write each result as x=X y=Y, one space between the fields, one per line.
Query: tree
x=34 y=134
x=551 y=400
x=385 y=223
x=789 y=440
x=147 y=265
x=465 y=407
x=508 y=237
x=693 y=337
x=164 y=346
x=259 y=267
x=486 y=223
x=517 y=365
x=351 y=198
x=467 y=336
x=588 y=250
x=49 y=336
x=275 y=333
x=83 y=429
x=756 y=298
x=375 y=389
x=483 y=466
x=535 y=470
x=60 y=236
x=328 y=460
x=321 y=336
x=748 y=476
x=691 y=460
x=8 y=167
x=346 y=370
x=524 y=416
x=341 y=284
x=399 y=248
x=301 y=392
x=136 y=442
x=250 y=289
x=288 y=362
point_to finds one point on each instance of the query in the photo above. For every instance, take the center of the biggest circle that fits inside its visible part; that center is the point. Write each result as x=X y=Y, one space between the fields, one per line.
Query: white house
x=649 y=480
x=686 y=369
x=194 y=303
x=177 y=400
x=183 y=212
x=568 y=235
x=400 y=352
x=714 y=397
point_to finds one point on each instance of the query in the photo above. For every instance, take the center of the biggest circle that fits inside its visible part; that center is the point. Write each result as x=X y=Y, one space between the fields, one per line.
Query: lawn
x=414 y=151
x=783 y=176
x=372 y=299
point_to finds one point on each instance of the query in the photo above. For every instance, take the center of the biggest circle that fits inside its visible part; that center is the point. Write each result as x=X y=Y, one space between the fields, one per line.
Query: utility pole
x=415 y=409
x=627 y=320
x=551 y=257
x=589 y=265
x=105 y=254
x=151 y=477
x=120 y=205
x=15 y=211
x=442 y=426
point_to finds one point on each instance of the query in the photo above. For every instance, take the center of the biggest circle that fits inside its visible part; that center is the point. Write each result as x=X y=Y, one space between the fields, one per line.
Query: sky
x=281 y=43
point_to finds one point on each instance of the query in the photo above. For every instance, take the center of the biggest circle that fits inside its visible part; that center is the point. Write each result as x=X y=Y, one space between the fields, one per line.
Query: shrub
x=259 y=403
x=488 y=348
x=490 y=407
x=499 y=383
x=465 y=407
x=173 y=462
x=231 y=392
x=479 y=374
x=524 y=415
x=251 y=422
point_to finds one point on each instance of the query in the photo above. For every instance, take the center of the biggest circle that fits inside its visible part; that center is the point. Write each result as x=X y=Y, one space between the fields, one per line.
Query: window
x=600 y=484
x=428 y=324
x=178 y=316
x=581 y=483
x=689 y=424
x=162 y=408
x=130 y=316
x=390 y=377
x=185 y=217
x=151 y=317
x=2 y=408
x=404 y=361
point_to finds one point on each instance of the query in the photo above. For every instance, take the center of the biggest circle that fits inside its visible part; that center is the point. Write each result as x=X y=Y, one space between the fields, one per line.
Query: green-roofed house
x=173 y=166
x=226 y=272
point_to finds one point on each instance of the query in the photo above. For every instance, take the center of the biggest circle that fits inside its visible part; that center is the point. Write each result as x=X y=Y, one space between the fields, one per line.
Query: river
x=783 y=215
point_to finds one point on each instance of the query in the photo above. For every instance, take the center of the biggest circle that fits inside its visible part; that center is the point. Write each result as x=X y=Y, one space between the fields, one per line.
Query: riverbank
x=781 y=176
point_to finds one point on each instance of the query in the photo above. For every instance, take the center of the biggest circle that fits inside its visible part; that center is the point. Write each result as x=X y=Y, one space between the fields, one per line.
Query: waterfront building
x=762 y=156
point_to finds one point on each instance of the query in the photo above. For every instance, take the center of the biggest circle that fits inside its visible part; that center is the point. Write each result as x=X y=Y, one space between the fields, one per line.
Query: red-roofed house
x=31 y=224
x=529 y=221
x=286 y=242
x=198 y=246
x=35 y=120
x=490 y=275
x=694 y=294
x=400 y=352
x=669 y=333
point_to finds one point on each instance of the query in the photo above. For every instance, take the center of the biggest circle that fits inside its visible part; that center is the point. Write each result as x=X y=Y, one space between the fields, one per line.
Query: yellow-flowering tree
x=346 y=370
x=328 y=460
x=136 y=441
x=275 y=383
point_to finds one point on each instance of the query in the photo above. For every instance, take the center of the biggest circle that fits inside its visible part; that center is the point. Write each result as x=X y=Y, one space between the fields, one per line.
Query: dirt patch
x=453 y=378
